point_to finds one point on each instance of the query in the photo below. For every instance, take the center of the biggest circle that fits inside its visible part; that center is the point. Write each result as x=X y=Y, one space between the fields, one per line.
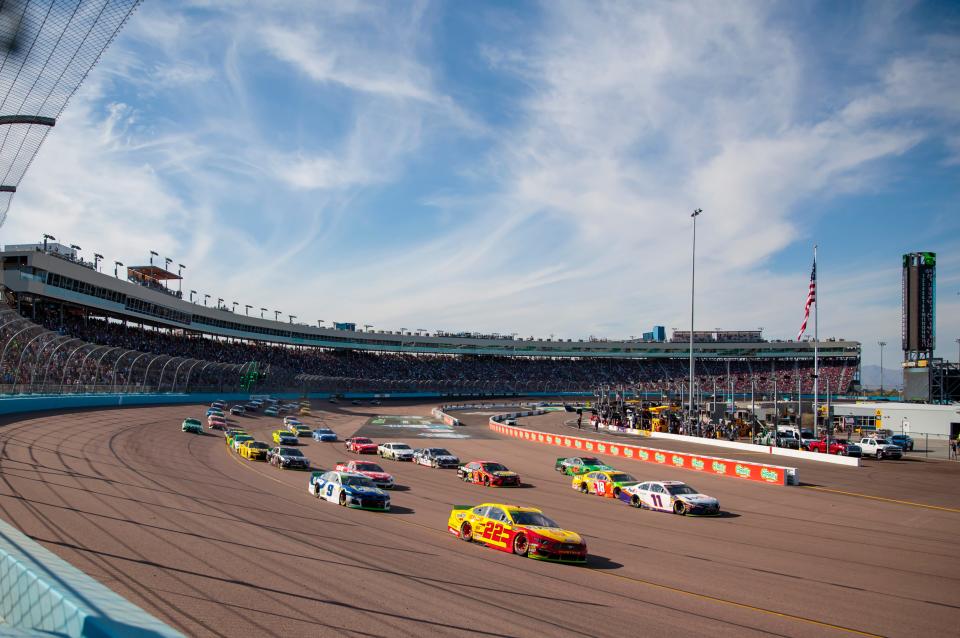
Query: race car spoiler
x=462 y=507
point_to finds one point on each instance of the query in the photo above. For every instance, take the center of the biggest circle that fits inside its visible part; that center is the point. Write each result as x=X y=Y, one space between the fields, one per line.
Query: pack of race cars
x=523 y=531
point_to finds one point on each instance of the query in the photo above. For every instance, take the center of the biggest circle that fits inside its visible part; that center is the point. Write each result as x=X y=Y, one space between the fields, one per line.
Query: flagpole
x=816 y=346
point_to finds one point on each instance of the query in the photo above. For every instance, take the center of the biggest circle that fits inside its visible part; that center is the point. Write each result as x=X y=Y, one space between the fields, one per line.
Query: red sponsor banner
x=759 y=472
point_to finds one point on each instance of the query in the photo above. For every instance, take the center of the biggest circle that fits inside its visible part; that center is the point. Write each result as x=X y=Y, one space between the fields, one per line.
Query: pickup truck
x=881 y=448
x=836 y=447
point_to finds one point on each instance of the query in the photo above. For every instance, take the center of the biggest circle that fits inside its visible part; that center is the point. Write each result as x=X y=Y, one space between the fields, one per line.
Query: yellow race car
x=607 y=483
x=254 y=450
x=284 y=437
x=525 y=531
x=305 y=411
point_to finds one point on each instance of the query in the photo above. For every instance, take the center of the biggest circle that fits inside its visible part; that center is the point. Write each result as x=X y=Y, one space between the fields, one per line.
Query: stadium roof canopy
x=47 y=47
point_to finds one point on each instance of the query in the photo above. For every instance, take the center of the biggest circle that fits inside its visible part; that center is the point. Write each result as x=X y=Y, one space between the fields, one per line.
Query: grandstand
x=74 y=300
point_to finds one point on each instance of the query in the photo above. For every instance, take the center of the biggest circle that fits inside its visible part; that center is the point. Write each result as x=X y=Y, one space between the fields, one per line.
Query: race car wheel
x=343 y=499
x=520 y=545
x=434 y=464
x=879 y=455
x=584 y=488
x=466 y=531
x=635 y=501
x=679 y=508
x=616 y=492
x=486 y=481
x=316 y=490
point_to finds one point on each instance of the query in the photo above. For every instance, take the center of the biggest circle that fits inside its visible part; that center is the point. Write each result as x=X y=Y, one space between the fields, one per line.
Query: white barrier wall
x=835 y=459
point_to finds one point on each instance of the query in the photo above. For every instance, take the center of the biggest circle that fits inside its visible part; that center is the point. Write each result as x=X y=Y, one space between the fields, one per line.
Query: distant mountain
x=892 y=376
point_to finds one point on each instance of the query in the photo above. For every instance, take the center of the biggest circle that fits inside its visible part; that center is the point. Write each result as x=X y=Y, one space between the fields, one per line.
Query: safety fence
x=36 y=360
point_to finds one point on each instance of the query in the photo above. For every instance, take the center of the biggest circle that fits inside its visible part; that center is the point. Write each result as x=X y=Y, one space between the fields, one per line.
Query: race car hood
x=556 y=534
x=504 y=474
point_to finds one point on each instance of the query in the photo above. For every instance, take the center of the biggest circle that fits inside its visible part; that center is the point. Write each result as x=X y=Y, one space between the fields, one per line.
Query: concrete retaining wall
x=767 y=449
x=40 y=592
x=744 y=470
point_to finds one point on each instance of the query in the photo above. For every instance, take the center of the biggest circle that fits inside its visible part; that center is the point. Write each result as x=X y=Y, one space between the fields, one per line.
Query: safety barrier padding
x=40 y=592
x=744 y=470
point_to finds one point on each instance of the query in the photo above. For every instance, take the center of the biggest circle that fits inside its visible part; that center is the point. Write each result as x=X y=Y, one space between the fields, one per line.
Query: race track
x=219 y=546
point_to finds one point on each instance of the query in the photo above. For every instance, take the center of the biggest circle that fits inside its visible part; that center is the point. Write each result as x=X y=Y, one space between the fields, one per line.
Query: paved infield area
x=215 y=545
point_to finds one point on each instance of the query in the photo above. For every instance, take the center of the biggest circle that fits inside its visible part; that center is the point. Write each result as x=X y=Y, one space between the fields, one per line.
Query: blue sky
x=523 y=167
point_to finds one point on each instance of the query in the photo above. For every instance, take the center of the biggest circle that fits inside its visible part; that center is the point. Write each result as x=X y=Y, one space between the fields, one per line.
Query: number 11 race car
x=670 y=496
x=522 y=530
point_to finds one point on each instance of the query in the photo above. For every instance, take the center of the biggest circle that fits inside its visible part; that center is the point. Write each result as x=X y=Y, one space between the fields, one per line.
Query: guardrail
x=744 y=470
x=40 y=592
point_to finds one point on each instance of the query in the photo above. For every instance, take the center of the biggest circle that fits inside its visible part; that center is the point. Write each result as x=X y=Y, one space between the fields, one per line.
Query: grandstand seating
x=306 y=368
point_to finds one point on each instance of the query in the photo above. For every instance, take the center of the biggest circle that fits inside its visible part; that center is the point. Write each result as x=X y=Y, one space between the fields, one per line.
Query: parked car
x=903 y=441
x=880 y=448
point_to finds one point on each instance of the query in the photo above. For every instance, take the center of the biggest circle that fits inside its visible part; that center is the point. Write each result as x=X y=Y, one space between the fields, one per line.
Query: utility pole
x=881 y=344
x=693 y=279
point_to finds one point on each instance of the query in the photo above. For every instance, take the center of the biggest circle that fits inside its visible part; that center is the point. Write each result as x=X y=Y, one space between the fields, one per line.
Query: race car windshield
x=535 y=519
x=439 y=451
x=260 y=446
x=589 y=461
x=677 y=490
x=401 y=446
x=323 y=430
x=494 y=467
x=357 y=481
x=362 y=440
x=622 y=477
x=289 y=452
x=368 y=467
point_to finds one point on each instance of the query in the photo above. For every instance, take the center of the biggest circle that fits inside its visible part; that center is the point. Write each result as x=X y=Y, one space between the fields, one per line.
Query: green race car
x=579 y=465
x=192 y=425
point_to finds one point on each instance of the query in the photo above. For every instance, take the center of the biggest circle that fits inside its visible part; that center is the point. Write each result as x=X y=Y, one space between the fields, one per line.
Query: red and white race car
x=216 y=422
x=369 y=469
x=360 y=445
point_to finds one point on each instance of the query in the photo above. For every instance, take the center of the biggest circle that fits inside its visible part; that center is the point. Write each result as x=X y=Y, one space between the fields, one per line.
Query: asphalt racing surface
x=218 y=546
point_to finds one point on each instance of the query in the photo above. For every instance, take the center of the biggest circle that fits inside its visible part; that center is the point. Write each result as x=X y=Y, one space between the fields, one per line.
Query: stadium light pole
x=235 y=304
x=276 y=315
x=180 y=280
x=205 y=297
x=76 y=248
x=319 y=323
x=116 y=265
x=881 y=344
x=262 y=310
x=292 y=317
x=248 y=307
x=45 y=238
x=693 y=279
x=153 y=254
x=958 y=350
x=192 y=293
x=219 y=302
x=96 y=261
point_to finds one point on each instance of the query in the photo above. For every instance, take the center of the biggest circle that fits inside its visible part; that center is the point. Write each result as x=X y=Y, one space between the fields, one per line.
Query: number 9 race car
x=670 y=496
x=349 y=490
x=525 y=531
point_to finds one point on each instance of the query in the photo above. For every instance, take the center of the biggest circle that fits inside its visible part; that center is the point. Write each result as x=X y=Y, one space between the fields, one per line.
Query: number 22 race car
x=522 y=530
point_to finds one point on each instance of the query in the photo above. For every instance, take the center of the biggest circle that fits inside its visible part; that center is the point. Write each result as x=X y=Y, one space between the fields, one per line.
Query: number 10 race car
x=522 y=530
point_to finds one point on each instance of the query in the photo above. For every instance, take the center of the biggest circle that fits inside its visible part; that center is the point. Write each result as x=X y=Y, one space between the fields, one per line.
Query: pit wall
x=40 y=592
x=743 y=470
x=850 y=461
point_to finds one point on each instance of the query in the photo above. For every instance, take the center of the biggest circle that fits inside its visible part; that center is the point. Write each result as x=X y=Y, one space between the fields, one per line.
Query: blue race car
x=324 y=434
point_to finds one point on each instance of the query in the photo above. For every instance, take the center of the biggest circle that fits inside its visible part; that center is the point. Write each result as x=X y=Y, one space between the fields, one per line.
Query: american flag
x=811 y=299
